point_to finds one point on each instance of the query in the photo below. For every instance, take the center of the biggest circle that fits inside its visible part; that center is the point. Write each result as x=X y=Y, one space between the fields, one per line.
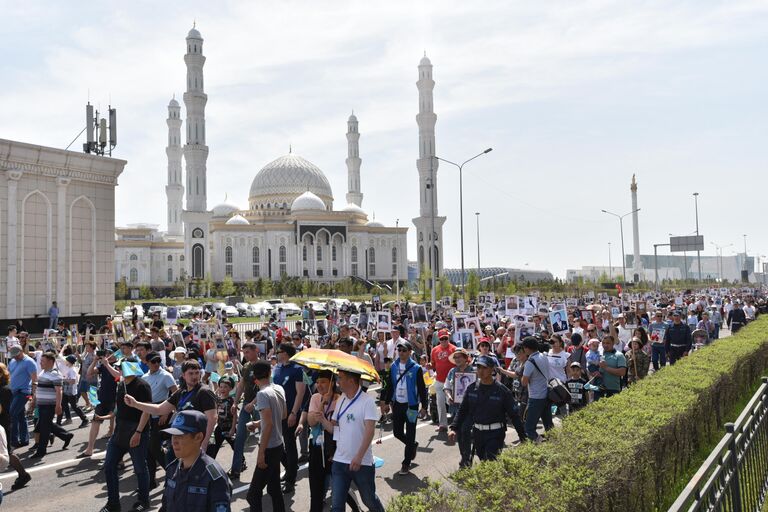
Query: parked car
x=242 y=308
x=231 y=311
x=127 y=313
x=185 y=311
x=218 y=305
x=289 y=307
x=234 y=300
x=317 y=307
x=147 y=306
x=257 y=308
x=163 y=310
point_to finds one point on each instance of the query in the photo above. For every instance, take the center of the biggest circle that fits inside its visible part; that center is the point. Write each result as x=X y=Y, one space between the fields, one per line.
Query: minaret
x=195 y=150
x=354 y=196
x=174 y=191
x=427 y=166
x=637 y=265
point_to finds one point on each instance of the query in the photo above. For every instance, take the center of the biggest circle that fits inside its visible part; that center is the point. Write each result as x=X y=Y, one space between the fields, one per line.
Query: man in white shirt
x=749 y=311
x=354 y=425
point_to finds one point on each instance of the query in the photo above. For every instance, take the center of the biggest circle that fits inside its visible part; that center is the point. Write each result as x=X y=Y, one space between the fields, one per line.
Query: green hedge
x=631 y=452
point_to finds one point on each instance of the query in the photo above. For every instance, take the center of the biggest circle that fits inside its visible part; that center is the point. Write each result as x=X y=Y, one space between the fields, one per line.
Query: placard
x=461 y=382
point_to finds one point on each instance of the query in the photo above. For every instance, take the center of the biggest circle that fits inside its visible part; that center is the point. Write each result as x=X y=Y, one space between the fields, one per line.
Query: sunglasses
x=403 y=350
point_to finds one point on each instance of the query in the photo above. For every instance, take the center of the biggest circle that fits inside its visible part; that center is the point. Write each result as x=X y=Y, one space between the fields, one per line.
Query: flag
x=93 y=395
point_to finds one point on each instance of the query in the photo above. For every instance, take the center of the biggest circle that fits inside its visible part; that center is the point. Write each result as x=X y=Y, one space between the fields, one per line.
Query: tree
x=145 y=292
x=227 y=287
x=121 y=289
x=511 y=288
x=473 y=285
x=425 y=282
x=267 y=289
x=177 y=290
x=445 y=287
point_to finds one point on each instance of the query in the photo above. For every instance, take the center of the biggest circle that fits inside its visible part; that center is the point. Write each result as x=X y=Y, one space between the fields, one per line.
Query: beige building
x=57 y=225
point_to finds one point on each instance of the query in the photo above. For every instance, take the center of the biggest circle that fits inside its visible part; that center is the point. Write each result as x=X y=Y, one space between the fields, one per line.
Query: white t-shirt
x=386 y=349
x=352 y=426
x=624 y=334
x=557 y=364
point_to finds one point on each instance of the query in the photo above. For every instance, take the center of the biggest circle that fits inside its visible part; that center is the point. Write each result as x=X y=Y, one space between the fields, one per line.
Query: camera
x=101 y=353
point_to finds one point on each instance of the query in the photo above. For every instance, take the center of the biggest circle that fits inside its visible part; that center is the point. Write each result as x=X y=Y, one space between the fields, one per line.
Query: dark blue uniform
x=203 y=488
x=484 y=410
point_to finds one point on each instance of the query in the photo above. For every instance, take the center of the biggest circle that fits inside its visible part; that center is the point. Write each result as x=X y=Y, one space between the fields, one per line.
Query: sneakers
x=83 y=423
x=405 y=469
x=68 y=440
x=110 y=507
x=233 y=475
x=21 y=481
x=414 y=451
x=140 y=507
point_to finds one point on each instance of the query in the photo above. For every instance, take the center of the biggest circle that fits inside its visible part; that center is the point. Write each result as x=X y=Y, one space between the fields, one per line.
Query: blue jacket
x=414 y=384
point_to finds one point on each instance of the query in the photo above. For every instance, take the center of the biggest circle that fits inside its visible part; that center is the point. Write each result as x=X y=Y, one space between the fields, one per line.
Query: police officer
x=677 y=338
x=194 y=482
x=486 y=405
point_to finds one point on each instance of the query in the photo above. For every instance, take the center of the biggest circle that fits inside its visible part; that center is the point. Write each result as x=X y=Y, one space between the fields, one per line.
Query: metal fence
x=735 y=475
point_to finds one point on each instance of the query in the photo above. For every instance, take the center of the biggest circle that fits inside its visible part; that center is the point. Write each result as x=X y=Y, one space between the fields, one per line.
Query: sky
x=574 y=97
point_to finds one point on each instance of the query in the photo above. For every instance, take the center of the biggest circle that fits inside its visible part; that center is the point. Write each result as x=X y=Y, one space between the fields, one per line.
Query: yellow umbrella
x=335 y=360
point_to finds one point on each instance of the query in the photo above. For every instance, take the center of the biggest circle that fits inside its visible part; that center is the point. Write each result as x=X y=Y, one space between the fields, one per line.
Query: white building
x=289 y=227
x=57 y=224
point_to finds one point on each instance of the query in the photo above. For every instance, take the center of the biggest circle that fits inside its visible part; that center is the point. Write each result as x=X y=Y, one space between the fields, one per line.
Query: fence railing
x=735 y=475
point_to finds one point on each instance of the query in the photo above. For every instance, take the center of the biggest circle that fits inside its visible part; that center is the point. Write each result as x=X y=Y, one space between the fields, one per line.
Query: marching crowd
x=170 y=396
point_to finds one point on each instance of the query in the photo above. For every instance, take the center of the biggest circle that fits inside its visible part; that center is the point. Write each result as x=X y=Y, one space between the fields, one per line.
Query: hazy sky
x=573 y=97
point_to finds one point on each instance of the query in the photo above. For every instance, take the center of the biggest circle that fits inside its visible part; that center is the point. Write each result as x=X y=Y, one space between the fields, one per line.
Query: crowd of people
x=173 y=395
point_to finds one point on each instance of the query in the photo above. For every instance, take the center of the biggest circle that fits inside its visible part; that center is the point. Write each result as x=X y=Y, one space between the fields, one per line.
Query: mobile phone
x=101 y=353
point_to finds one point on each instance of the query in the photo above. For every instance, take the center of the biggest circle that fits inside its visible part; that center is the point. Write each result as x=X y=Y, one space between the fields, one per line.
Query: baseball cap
x=486 y=361
x=15 y=351
x=404 y=344
x=187 y=422
x=443 y=333
x=575 y=364
x=71 y=359
x=180 y=350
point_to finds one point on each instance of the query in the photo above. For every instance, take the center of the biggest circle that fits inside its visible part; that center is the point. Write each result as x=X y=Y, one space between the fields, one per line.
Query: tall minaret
x=637 y=265
x=427 y=167
x=195 y=150
x=174 y=191
x=354 y=196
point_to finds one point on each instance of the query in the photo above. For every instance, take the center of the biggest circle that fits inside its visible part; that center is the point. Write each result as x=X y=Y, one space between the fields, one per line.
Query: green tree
x=121 y=289
x=473 y=285
x=177 y=290
x=445 y=287
x=227 y=287
x=425 y=282
x=267 y=288
x=207 y=286
x=145 y=292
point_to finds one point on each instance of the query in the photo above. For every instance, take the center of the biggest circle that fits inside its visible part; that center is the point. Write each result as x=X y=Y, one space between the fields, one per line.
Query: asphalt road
x=78 y=484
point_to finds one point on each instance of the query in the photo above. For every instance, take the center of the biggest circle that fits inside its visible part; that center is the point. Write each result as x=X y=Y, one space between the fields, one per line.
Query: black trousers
x=68 y=401
x=464 y=440
x=488 y=443
x=404 y=430
x=269 y=477
x=155 y=453
x=319 y=475
x=219 y=438
x=675 y=353
x=290 y=458
x=46 y=427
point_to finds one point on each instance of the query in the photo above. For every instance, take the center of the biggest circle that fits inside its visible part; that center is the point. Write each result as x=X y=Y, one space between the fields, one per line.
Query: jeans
x=404 y=430
x=269 y=477
x=442 y=409
x=240 y=436
x=19 y=430
x=658 y=353
x=114 y=455
x=291 y=454
x=538 y=408
x=46 y=427
x=716 y=335
x=364 y=478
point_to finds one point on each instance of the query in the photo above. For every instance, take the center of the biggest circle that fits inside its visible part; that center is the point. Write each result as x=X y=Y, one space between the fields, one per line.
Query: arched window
x=170 y=257
x=198 y=261
x=133 y=257
x=134 y=276
x=228 y=261
x=255 y=257
x=181 y=258
x=354 y=254
x=282 y=255
x=170 y=274
x=371 y=261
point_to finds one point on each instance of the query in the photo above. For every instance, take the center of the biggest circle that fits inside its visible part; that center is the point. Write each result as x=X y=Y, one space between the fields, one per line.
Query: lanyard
x=328 y=408
x=184 y=399
x=338 y=416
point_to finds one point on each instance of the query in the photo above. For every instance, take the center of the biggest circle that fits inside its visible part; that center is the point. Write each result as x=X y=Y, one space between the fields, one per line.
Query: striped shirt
x=47 y=382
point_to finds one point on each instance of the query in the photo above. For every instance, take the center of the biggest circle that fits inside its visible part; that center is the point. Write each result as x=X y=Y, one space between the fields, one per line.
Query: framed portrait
x=362 y=320
x=376 y=303
x=490 y=297
x=445 y=301
x=657 y=334
x=419 y=312
x=465 y=338
x=172 y=314
x=322 y=327
x=459 y=322
x=461 y=382
x=481 y=298
x=587 y=316
x=615 y=311
x=460 y=304
x=118 y=329
x=641 y=307
x=558 y=321
x=178 y=340
x=571 y=302
x=531 y=305
x=522 y=330
x=473 y=324
x=383 y=321
x=631 y=318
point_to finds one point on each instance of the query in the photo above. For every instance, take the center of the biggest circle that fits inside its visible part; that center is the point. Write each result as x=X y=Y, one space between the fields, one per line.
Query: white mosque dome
x=173 y=103
x=374 y=224
x=194 y=34
x=353 y=208
x=237 y=220
x=307 y=201
x=285 y=179
x=224 y=210
x=425 y=61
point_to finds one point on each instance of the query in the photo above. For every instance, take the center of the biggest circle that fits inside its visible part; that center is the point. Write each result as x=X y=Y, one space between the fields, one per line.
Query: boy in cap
x=575 y=383
x=194 y=481
x=225 y=424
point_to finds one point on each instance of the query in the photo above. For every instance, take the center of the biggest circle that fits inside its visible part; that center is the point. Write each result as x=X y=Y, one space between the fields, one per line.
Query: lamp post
x=610 y=265
x=698 y=253
x=397 y=263
x=719 y=255
x=477 y=217
x=461 y=210
x=621 y=228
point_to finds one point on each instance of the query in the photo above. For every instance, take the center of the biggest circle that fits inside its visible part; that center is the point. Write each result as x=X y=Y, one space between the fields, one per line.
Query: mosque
x=289 y=227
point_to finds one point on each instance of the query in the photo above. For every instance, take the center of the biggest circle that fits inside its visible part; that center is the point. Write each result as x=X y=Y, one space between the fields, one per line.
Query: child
x=225 y=427
x=384 y=375
x=593 y=362
x=575 y=385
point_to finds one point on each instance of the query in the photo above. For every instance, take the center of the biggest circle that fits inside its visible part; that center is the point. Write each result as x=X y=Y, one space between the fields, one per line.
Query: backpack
x=557 y=392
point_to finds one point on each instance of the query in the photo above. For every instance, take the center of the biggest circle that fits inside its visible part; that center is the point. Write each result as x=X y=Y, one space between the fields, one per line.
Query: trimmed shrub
x=631 y=452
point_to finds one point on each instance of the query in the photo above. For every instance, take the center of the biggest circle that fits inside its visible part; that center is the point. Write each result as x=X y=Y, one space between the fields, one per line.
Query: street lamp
x=698 y=253
x=397 y=262
x=719 y=253
x=621 y=228
x=461 y=209
x=477 y=216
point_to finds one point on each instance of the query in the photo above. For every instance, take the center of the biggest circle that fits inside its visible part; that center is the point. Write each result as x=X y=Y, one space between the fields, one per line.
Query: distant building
x=500 y=273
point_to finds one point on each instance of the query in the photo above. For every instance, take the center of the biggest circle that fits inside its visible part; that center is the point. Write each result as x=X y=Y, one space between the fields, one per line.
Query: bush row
x=631 y=452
